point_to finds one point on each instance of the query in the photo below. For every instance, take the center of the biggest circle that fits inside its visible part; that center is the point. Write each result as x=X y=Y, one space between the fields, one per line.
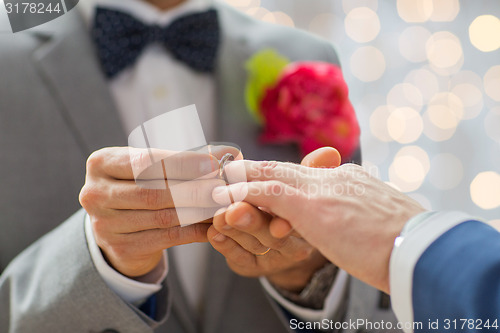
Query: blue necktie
x=120 y=39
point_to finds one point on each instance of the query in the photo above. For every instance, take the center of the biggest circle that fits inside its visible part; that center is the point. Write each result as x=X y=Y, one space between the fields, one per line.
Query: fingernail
x=218 y=191
x=219 y=238
x=227 y=227
x=244 y=221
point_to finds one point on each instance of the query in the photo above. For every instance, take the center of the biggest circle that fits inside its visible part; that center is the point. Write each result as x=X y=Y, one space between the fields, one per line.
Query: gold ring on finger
x=263 y=253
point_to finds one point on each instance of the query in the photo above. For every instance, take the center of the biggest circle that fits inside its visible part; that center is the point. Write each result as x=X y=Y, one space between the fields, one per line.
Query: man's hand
x=348 y=215
x=131 y=206
x=243 y=234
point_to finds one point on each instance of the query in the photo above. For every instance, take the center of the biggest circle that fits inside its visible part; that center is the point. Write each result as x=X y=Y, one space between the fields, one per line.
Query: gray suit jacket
x=55 y=109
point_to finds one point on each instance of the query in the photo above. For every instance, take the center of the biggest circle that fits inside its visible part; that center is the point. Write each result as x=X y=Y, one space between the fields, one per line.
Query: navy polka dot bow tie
x=120 y=39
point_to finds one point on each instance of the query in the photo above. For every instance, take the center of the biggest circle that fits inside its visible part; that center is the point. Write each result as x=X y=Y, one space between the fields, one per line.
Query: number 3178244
x=32 y=8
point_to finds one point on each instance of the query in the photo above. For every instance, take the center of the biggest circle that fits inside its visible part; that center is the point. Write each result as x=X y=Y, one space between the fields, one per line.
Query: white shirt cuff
x=331 y=305
x=417 y=235
x=131 y=291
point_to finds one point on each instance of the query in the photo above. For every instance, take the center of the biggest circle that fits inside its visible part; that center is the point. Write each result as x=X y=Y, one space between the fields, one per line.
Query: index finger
x=127 y=163
x=185 y=165
x=287 y=173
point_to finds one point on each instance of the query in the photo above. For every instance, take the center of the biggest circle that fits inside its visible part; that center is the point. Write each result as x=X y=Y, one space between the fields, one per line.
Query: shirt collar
x=142 y=10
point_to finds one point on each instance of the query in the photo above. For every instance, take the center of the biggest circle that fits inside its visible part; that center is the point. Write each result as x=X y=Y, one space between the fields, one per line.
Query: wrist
x=131 y=291
x=134 y=269
x=313 y=296
x=295 y=279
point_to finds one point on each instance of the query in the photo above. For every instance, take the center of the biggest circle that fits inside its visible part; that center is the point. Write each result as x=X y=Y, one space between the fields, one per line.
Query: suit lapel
x=67 y=63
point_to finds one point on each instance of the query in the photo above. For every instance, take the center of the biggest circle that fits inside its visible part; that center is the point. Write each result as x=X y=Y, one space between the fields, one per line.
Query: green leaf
x=264 y=69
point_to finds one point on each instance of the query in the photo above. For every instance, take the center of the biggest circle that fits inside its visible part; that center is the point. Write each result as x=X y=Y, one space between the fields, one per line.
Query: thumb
x=326 y=157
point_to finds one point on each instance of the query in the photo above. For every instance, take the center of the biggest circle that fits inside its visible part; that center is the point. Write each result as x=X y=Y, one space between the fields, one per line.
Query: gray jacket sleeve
x=53 y=286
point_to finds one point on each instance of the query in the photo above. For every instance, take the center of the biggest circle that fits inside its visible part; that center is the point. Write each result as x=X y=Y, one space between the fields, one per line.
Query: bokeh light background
x=424 y=77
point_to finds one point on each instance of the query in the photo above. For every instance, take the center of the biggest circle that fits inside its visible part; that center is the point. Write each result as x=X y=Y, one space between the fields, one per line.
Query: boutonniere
x=302 y=102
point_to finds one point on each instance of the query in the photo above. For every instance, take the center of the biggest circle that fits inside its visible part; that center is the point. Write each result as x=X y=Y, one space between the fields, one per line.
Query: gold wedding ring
x=263 y=253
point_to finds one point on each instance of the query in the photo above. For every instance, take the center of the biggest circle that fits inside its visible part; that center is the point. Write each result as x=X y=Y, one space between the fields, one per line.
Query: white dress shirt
x=155 y=84
x=417 y=235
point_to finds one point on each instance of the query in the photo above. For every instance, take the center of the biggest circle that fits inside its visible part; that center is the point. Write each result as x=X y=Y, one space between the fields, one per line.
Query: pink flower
x=309 y=105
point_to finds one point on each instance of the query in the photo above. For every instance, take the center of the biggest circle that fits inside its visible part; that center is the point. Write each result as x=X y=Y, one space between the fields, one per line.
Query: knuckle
x=96 y=159
x=265 y=169
x=89 y=196
x=269 y=165
x=354 y=169
x=83 y=197
x=139 y=160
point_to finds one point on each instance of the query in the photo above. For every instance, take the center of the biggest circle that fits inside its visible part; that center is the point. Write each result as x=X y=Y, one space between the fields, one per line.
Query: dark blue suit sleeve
x=458 y=277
